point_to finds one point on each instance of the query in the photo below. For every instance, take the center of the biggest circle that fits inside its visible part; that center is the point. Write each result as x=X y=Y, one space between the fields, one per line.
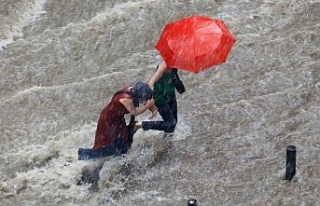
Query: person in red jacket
x=113 y=136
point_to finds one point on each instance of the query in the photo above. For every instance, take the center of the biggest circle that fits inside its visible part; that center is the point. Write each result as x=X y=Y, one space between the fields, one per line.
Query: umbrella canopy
x=195 y=43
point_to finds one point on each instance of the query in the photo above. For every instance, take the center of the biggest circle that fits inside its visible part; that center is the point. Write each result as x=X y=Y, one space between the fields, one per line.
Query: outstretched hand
x=152 y=107
x=149 y=104
x=154 y=112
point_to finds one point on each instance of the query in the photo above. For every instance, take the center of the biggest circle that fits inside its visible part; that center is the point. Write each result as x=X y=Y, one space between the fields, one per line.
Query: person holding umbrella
x=164 y=82
x=194 y=44
x=113 y=136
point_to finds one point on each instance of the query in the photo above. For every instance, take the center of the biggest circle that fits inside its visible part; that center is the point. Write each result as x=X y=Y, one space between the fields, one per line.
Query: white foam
x=27 y=13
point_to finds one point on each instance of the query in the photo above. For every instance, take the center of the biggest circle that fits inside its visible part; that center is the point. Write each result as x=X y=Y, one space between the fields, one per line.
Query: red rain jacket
x=112 y=124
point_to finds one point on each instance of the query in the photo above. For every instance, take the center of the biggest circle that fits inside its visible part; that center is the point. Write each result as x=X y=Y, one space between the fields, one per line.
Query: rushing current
x=61 y=62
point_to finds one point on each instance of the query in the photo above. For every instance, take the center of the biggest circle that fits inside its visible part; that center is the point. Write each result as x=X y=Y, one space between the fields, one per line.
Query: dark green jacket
x=164 y=89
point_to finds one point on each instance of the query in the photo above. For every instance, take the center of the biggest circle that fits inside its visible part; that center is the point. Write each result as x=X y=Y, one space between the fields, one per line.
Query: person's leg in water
x=120 y=146
x=169 y=115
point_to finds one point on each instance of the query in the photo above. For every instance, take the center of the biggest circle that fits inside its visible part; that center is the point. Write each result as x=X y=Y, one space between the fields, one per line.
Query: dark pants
x=119 y=147
x=169 y=115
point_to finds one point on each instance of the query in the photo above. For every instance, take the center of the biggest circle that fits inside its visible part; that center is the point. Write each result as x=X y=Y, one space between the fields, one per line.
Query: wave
x=19 y=15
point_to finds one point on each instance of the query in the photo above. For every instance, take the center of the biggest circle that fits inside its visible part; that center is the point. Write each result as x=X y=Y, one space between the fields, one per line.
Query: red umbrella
x=195 y=43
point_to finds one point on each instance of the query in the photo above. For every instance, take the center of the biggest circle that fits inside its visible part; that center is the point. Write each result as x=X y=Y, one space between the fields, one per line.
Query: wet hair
x=141 y=92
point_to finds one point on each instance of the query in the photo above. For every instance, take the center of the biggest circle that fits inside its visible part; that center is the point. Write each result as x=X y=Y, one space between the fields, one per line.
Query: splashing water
x=61 y=62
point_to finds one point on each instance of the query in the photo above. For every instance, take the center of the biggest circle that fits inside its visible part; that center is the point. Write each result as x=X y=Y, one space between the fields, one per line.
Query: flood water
x=61 y=62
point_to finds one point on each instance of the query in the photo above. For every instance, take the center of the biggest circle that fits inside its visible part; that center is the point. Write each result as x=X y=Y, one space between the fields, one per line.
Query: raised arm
x=158 y=74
